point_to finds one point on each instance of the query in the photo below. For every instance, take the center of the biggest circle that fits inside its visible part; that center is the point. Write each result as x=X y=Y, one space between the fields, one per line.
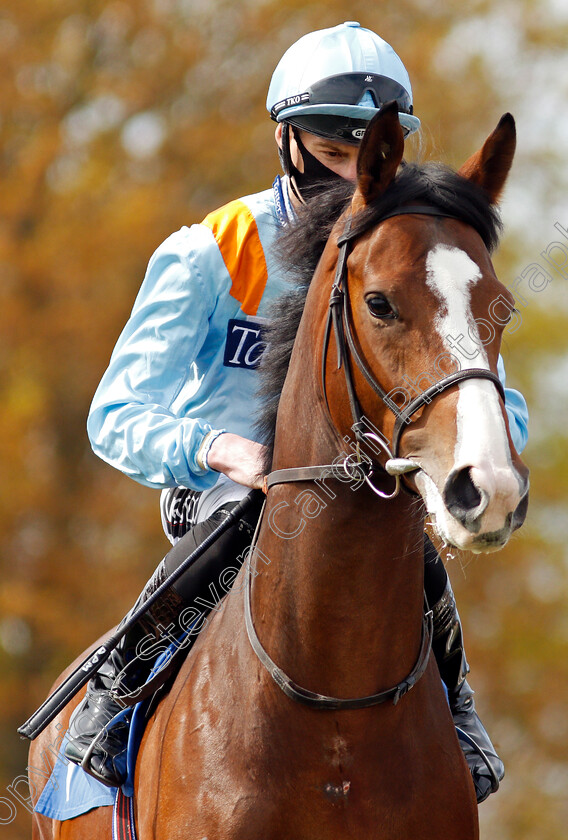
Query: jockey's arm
x=517 y=411
x=139 y=420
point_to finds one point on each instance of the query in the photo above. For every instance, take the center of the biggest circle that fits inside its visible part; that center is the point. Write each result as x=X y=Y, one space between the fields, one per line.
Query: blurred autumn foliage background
x=121 y=120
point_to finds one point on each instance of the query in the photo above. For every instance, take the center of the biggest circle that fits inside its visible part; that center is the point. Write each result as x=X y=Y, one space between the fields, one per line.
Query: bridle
x=339 y=317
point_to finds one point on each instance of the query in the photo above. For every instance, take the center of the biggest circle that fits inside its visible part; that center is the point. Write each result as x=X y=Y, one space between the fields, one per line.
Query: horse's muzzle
x=488 y=505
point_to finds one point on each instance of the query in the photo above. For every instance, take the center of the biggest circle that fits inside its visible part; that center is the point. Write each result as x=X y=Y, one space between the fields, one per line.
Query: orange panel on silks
x=236 y=233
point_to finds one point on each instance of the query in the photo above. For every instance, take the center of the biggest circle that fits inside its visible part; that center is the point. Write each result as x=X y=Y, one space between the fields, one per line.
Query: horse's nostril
x=463 y=499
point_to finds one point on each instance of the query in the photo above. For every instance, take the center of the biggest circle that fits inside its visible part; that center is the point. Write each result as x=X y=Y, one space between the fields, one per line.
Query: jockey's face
x=341 y=158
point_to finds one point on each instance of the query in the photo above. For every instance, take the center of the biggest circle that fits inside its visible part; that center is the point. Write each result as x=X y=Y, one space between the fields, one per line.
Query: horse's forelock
x=441 y=187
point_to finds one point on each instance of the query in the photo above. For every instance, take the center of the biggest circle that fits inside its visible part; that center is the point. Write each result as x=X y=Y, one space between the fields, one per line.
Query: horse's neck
x=339 y=595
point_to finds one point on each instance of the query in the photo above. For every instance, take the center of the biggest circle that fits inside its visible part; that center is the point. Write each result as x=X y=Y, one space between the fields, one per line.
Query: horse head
x=427 y=315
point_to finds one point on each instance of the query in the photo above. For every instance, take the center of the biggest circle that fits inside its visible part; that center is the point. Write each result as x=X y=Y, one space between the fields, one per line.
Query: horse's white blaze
x=481 y=440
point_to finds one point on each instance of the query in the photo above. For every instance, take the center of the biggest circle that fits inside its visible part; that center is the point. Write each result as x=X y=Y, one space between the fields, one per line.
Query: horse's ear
x=490 y=166
x=380 y=154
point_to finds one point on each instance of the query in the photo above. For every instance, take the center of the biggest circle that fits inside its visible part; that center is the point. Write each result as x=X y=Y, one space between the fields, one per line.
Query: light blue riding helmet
x=333 y=81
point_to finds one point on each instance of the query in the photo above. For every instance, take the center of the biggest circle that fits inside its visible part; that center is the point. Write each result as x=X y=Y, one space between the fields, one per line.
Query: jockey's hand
x=240 y=459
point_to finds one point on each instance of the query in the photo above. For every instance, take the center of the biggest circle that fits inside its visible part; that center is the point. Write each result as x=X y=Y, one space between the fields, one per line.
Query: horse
x=309 y=706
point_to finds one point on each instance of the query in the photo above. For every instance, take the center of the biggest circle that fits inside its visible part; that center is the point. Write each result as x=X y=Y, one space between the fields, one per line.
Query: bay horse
x=275 y=726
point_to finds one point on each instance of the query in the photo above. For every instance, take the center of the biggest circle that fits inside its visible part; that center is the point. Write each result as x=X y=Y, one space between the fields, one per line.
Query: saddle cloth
x=70 y=791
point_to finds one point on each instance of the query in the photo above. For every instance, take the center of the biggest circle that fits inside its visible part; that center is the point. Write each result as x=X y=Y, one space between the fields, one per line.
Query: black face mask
x=316 y=177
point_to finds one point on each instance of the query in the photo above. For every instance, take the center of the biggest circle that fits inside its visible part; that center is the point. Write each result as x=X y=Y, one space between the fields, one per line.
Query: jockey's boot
x=95 y=740
x=485 y=765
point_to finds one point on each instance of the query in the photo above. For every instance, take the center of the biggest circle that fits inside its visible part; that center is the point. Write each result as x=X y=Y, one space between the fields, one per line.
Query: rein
x=339 y=318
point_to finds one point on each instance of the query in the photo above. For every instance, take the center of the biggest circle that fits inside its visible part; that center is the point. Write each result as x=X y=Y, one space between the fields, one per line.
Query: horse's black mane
x=301 y=245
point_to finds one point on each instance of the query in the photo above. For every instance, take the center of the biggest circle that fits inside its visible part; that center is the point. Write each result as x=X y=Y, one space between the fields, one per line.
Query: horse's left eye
x=379 y=307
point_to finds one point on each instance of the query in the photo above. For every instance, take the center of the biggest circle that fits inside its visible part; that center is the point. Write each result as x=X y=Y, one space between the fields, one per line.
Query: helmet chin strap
x=287 y=164
x=315 y=178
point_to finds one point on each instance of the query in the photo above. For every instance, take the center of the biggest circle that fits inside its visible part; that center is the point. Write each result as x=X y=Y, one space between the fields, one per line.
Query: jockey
x=175 y=408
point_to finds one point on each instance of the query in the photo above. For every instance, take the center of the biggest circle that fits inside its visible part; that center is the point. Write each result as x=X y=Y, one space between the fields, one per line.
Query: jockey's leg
x=99 y=749
x=448 y=647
